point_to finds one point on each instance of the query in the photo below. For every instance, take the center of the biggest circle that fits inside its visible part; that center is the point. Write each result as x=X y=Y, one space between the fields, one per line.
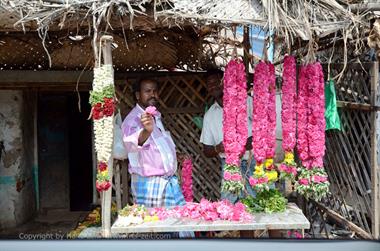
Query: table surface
x=292 y=218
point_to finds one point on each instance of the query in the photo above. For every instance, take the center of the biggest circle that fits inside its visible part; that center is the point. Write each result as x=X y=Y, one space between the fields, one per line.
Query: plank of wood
x=292 y=218
x=107 y=200
x=374 y=165
x=361 y=232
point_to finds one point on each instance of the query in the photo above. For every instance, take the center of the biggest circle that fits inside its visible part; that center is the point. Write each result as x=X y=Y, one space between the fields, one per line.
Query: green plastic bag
x=331 y=110
x=198 y=120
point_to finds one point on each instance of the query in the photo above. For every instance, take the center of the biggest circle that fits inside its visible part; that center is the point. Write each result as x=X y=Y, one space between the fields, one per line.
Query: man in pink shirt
x=151 y=152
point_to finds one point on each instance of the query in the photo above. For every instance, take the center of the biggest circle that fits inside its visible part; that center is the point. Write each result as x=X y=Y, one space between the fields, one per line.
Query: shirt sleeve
x=131 y=139
x=206 y=135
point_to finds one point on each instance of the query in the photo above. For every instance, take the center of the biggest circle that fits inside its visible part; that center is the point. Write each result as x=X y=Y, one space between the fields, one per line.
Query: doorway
x=65 y=151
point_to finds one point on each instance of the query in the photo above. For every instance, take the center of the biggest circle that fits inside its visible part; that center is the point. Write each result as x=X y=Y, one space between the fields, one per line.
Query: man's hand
x=147 y=122
x=248 y=145
x=219 y=148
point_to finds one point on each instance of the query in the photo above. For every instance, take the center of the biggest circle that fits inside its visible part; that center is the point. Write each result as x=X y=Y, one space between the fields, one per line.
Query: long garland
x=312 y=181
x=187 y=180
x=234 y=124
x=103 y=107
x=263 y=133
x=288 y=168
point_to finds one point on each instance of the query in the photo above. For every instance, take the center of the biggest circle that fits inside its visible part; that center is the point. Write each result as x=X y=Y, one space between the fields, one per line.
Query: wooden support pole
x=374 y=164
x=246 y=47
x=118 y=186
x=107 y=195
x=353 y=227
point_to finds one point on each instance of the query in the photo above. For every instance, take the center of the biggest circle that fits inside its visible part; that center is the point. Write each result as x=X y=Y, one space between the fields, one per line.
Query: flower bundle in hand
x=288 y=168
x=103 y=107
x=187 y=179
x=312 y=180
x=264 y=131
x=235 y=131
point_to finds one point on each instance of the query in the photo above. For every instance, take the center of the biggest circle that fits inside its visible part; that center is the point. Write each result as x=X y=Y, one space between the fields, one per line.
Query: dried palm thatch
x=289 y=19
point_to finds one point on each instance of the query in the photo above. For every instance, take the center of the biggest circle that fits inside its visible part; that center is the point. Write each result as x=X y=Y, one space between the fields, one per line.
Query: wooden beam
x=357 y=106
x=365 y=7
x=107 y=195
x=28 y=76
x=353 y=227
x=374 y=165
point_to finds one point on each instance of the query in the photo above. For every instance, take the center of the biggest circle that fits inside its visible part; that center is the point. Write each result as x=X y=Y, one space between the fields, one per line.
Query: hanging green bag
x=198 y=120
x=331 y=112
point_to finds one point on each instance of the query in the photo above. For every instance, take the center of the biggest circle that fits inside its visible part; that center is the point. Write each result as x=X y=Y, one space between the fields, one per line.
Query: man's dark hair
x=136 y=86
x=213 y=72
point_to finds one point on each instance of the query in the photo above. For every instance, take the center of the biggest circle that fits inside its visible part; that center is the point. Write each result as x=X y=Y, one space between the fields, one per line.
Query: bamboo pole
x=107 y=195
x=374 y=165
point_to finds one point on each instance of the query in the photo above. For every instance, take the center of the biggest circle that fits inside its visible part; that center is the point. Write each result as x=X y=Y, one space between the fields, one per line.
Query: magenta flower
x=227 y=175
x=303 y=182
x=236 y=177
x=152 y=110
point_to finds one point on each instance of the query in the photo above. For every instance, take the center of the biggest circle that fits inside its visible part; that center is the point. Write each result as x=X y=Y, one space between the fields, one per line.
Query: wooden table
x=292 y=218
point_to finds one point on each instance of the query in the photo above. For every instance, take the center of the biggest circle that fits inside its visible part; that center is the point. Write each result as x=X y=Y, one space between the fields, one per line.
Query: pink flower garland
x=312 y=181
x=235 y=131
x=288 y=112
x=206 y=210
x=234 y=112
x=264 y=130
x=187 y=180
x=288 y=118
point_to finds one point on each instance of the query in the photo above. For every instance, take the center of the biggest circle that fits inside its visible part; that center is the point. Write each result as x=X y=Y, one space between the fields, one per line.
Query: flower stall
x=121 y=41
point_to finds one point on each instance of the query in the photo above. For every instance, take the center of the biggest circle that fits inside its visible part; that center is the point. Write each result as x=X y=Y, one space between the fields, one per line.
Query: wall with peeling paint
x=17 y=196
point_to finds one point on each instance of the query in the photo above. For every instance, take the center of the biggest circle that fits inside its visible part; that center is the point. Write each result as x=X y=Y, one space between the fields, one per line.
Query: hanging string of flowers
x=263 y=133
x=312 y=181
x=234 y=124
x=288 y=168
x=187 y=179
x=103 y=107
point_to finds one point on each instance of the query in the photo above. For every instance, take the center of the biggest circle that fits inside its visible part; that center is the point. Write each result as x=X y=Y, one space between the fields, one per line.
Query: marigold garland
x=235 y=131
x=103 y=107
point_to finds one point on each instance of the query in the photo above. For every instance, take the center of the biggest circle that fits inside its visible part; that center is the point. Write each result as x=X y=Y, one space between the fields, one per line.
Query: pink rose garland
x=288 y=168
x=187 y=180
x=264 y=130
x=312 y=181
x=235 y=131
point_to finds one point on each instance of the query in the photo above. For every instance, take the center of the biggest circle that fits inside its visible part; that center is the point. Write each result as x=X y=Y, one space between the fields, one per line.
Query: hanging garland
x=234 y=124
x=288 y=168
x=263 y=133
x=187 y=180
x=103 y=107
x=312 y=181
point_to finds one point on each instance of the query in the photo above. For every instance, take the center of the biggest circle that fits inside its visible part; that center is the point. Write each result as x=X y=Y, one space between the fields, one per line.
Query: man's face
x=214 y=86
x=148 y=94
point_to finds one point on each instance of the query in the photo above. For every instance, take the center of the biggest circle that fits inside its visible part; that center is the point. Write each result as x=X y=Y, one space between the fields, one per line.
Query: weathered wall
x=17 y=197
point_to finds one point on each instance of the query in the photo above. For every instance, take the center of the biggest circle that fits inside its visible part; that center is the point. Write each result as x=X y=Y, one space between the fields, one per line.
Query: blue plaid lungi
x=156 y=191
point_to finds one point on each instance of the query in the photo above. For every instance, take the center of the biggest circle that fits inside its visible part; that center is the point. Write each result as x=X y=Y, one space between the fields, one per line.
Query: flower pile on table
x=205 y=210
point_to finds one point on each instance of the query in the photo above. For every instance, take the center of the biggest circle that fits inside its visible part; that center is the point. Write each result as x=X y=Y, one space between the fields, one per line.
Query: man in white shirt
x=212 y=133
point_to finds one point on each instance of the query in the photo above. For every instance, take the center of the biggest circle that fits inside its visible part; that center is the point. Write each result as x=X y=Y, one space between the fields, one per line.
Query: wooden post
x=117 y=185
x=246 y=48
x=374 y=145
x=107 y=195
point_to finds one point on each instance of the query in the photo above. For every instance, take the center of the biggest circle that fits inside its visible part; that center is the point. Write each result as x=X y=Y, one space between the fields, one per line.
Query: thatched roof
x=305 y=19
x=296 y=17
